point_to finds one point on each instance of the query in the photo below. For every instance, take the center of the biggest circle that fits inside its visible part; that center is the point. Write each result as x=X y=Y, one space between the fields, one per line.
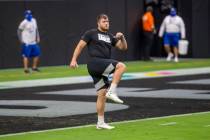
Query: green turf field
x=65 y=71
x=184 y=127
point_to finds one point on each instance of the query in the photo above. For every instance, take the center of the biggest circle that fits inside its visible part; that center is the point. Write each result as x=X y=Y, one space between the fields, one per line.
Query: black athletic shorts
x=100 y=69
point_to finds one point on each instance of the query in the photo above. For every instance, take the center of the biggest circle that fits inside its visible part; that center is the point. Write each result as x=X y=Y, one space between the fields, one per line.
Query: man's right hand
x=73 y=64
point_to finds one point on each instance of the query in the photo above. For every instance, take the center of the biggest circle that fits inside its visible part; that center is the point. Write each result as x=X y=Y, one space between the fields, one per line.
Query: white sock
x=100 y=119
x=113 y=88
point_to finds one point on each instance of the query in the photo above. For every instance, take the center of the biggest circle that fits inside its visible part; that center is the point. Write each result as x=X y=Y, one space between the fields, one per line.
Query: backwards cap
x=27 y=12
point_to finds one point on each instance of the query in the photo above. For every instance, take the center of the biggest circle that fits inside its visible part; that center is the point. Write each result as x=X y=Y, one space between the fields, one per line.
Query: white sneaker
x=113 y=97
x=170 y=55
x=104 y=126
x=176 y=59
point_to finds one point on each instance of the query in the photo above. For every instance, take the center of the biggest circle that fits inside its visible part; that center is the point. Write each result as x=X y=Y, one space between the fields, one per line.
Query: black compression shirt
x=99 y=43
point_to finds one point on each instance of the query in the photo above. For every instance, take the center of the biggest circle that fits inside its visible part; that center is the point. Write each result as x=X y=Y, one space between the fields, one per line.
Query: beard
x=105 y=29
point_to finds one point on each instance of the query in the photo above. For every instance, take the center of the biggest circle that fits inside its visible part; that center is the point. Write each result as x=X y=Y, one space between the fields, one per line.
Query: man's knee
x=101 y=92
x=121 y=66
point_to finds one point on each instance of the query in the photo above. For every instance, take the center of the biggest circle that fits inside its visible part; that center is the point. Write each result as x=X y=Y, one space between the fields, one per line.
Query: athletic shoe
x=36 y=69
x=26 y=71
x=176 y=59
x=170 y=55
x=113 y=97
x=104 y=126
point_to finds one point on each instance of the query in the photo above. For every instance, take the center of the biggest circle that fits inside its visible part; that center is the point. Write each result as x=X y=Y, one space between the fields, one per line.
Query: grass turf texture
x=188 y=127
x=65 y=71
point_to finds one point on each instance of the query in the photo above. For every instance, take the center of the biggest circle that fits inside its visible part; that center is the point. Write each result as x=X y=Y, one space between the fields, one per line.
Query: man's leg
x=35 y=63
x=119 y=70
x=100 y=106
x=168 y=51
x=176 y=53
x=36 y=53
x=167 y=44
x=149 y=43
x=175 y=43
x=25 y=52
x=112 y=94
x=145 y=46
x=25 y=64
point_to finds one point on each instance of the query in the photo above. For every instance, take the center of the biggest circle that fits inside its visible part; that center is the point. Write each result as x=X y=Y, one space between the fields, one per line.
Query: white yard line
x=207 y=126
x=169 y=123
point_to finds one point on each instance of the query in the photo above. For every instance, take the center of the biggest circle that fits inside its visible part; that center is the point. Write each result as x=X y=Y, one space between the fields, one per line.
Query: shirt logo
x=104 y=38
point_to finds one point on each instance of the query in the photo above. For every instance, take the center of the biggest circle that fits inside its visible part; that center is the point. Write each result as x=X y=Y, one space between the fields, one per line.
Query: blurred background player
x=148 y=32
x=29 y=37
x=100 y=42
x=173 y=28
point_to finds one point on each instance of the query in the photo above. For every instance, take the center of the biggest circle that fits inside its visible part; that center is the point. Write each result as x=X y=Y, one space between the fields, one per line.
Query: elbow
x=122 y=46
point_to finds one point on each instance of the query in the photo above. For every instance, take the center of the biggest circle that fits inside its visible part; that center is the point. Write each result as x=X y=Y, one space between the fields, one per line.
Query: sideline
x=88 y=79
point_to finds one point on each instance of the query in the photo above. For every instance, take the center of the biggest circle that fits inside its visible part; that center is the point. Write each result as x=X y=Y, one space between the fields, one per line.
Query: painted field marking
x=88 y=79
x=207 y=126
x=167 y=124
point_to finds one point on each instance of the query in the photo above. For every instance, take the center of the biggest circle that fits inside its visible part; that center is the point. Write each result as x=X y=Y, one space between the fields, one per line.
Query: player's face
x=103 y=24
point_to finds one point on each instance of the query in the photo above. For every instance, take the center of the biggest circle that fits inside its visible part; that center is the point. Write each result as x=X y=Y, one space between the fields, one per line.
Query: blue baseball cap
x=27 y=12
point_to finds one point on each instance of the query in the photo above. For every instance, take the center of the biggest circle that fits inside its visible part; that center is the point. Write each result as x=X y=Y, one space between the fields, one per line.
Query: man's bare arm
x=77 y=52
x=122 y=43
